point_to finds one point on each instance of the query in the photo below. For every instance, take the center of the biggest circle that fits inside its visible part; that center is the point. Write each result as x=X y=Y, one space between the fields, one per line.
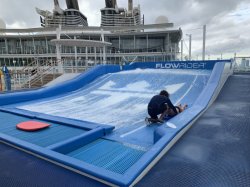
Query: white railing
x=38 y=70
x=242 y=64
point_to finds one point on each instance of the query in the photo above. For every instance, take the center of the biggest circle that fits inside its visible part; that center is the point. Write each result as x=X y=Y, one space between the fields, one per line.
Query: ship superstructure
x=69 y=17
x=112 y=15
x=65 y=37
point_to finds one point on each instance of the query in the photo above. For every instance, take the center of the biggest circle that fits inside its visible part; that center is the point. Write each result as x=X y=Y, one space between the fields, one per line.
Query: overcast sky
x=228 y=21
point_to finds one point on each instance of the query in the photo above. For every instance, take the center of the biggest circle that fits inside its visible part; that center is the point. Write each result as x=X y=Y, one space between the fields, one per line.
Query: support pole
x=6 y=46
x=58 y=50
x=86 y=57
x=104 y=47
x=104 y=55
x=204 y=42
x=181 y=50
x=95 y=55
x=190 y=46
x=76 y=61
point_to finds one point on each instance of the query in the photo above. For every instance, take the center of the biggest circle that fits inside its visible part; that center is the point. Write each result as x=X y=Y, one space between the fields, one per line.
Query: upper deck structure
x=69 y=17
x=114 y=16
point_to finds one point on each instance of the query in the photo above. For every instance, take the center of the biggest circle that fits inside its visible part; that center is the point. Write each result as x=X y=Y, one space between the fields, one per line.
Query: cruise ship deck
x=74 y=98
x=98 y=130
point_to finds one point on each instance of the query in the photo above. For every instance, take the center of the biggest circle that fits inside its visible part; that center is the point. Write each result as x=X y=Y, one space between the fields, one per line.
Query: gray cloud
x=189 y=11
x=22 y=12
x=226 y=28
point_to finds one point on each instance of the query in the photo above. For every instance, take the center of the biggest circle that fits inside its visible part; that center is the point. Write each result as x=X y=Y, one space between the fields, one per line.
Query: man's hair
x=165 y=93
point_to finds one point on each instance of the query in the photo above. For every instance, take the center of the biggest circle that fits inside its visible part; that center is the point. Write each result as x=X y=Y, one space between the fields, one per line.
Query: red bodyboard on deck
x=32 y=126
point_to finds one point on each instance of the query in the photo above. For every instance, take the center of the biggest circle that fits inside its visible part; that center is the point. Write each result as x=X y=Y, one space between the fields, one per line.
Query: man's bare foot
x=185 y=106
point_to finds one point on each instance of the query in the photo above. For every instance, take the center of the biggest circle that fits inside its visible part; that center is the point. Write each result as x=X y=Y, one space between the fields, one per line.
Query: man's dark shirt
x=157 y=105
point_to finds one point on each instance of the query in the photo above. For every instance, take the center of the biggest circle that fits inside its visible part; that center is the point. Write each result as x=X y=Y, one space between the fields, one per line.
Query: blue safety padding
x=55 y=119
x=78 y=141
x=55 y=133
x=208 y=65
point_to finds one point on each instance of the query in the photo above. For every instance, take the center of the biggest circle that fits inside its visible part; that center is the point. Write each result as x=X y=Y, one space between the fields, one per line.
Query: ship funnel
x=57 y=8
x=110 y=3
x=130 y=6
x=72 y=4
x=56 y=3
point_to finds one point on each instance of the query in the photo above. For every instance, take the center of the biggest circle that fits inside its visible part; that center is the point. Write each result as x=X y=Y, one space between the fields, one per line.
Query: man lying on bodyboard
x=161 y=104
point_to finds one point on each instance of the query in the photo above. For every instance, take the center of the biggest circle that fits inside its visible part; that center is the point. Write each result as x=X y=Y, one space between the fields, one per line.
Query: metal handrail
x=27 y=67
x=41 y=72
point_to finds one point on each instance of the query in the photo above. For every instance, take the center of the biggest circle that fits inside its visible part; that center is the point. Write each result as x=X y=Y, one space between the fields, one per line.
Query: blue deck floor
x=220 y=140
x=19 y=169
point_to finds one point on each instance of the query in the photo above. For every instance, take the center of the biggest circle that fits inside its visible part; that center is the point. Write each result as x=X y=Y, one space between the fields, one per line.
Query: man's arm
x=163 y=114
x=170 y=105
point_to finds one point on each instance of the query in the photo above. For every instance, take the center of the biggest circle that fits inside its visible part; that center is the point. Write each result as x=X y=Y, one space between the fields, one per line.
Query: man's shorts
x=153 y=113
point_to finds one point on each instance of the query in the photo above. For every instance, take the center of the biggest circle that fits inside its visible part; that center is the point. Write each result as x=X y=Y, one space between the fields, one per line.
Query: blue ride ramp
x=118 y=99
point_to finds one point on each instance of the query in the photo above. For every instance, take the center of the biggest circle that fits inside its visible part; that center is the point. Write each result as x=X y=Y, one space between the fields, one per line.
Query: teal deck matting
x=109 y=155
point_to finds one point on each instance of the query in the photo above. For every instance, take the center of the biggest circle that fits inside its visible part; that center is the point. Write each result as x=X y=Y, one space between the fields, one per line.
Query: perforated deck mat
x=215 y=151
x=18 y=169
x=109 y=155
